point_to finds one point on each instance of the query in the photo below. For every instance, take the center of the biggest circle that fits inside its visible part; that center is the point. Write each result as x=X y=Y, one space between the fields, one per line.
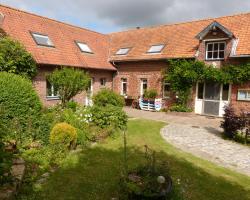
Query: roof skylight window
x=42 y=40
x=123 y=51
x=84 y=47
x=156 y=48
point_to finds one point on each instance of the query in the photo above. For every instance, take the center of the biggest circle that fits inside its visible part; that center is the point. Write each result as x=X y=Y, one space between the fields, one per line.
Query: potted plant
x=150 y=95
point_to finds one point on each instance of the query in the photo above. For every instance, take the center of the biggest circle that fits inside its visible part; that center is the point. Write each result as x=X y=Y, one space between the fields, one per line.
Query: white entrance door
x=211 y=98
x=88 y=99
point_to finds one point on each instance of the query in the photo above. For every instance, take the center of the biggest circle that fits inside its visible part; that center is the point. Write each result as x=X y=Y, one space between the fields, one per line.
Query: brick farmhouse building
x=130 y=61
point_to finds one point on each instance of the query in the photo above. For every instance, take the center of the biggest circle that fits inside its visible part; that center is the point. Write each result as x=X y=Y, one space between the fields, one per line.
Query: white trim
x=213 y=43
x=213 y=40
x=247 y=94
x=124 y=81
x=142 y=83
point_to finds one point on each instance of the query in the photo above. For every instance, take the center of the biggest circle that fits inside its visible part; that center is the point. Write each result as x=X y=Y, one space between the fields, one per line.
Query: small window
x=156 y=48
x=52 y=93
x=42 y=40
x=123 y=51
x=103 y=82
x=200 y=90
x=84 y=47
x=225 y=92
x=215 y=50
x=124 y=86
x=144 y=86
x=166 y=90
x=244 y=95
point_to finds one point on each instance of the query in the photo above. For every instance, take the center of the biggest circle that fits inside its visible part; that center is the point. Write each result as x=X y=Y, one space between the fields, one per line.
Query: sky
x=107 y=16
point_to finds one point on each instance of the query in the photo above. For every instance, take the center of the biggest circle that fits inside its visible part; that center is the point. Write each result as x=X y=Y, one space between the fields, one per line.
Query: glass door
x=212 y=93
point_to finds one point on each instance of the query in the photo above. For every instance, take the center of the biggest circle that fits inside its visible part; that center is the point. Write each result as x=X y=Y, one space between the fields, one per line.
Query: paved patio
x=201 y=136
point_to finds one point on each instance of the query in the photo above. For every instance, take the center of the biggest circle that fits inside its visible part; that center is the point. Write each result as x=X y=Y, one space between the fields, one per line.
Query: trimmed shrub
x=15 y=59
x=63 y=133
x=107 y=97
x=5 y=158
x=109 y=115
x=179 y=108
x=150 y=94
x=18 y=99
x=232 y=123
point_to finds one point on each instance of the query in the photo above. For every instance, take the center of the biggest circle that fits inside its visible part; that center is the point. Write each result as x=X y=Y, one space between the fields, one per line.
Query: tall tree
x=69 y=82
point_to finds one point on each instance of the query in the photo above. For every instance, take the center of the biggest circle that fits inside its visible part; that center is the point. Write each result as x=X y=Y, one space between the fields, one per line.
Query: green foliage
x=179 y=108
x=72 y=105
x=15 y=59
x=63 y=133
x=19 y=100
x=109 y=115
x=46 y=156
x=5 y=158
x=183 y=74
x=69 y=82
x=107 y=97
x=150 y=94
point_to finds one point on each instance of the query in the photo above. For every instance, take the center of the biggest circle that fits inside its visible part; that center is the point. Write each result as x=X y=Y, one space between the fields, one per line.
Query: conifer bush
x=63 y=133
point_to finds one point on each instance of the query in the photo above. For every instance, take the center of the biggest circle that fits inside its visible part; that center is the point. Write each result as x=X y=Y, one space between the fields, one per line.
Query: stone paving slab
x=203 y=143
x=201 y=136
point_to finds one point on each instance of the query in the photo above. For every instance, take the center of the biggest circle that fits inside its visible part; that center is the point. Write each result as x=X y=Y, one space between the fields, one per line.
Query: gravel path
x=200 y=136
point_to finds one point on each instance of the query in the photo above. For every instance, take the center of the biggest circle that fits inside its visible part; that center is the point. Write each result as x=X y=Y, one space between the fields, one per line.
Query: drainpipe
x=113 y=76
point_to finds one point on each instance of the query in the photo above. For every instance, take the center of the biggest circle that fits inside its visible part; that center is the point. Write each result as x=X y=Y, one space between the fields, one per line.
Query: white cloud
x=111 y=15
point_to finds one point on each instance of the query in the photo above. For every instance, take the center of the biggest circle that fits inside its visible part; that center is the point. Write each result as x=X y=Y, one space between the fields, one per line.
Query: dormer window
x=156 y=48
x=84 y=47
x=215 y=50
x=123 y=51
x=42 y=40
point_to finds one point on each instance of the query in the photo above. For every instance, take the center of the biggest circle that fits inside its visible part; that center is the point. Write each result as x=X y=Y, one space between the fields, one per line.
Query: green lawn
x=94 y=173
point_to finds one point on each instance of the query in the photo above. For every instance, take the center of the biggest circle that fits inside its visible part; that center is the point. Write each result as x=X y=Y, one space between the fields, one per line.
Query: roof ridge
x=180 y=23
x=37 y=15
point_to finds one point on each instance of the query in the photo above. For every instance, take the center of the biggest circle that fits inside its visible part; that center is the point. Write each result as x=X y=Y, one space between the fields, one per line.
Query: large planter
x=150 y=104
x=142 y=185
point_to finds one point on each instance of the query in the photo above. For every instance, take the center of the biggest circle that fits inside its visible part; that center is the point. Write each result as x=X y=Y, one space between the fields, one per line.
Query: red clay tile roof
x=18 y=25
x=179 y=38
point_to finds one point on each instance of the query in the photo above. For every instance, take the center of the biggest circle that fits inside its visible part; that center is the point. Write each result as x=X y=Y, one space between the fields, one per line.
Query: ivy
x=183 y=74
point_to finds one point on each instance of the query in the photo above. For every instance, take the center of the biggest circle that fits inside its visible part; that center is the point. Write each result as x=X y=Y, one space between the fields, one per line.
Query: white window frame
x=163 y=90
x=124 y=81
x=217 y=50
x=143 y=82
x=84 y=47
x=121 y=53
x=152 y=51
x=53 y=95
x=247 y=98
x=35 y=35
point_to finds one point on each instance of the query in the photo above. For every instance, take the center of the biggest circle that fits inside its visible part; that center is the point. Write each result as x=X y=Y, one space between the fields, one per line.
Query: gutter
x=148 y=59
x=241 y=56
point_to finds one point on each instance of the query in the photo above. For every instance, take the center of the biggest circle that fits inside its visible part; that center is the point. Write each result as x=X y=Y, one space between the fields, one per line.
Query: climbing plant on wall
x=183 y=74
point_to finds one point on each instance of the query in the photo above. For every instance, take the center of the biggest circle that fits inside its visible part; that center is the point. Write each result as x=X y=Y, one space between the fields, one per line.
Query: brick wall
x=135 y=71
x=202 y=50
x=39 y=83
x=240 y=105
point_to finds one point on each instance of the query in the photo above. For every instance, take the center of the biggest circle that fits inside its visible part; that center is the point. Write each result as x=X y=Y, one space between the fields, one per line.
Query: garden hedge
x=18 y=99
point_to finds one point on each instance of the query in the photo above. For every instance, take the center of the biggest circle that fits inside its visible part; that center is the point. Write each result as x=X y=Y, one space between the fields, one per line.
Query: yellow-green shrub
x=63 y=133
